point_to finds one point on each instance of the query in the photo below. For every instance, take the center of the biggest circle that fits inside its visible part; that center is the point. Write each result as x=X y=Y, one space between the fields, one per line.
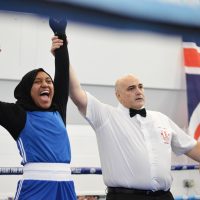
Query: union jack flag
x=192 y=70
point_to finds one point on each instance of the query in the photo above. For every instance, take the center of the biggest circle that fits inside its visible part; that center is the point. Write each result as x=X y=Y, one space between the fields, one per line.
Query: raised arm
x=76 y=92
x=61 y=78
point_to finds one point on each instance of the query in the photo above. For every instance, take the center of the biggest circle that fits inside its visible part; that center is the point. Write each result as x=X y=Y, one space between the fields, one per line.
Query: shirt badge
x=165 y=135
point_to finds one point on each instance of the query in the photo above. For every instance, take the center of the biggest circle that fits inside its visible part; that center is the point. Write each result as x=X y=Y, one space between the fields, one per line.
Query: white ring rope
x=85 y=170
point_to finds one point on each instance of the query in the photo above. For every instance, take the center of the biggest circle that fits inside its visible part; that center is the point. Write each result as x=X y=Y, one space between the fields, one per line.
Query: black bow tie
x=141 y=112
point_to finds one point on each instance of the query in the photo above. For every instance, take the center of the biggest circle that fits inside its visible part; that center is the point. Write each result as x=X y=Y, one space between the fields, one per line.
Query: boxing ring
x=191 y=19
x=10 y=171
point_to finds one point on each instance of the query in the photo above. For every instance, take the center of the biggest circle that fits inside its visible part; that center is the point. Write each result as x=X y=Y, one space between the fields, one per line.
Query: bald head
x=129 y=91
x=122 y=81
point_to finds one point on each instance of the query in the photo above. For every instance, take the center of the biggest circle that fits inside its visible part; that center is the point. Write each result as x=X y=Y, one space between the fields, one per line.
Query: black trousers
x=119 y=195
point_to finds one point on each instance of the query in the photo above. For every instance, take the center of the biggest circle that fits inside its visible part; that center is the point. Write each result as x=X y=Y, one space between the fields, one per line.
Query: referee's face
x=130 y=92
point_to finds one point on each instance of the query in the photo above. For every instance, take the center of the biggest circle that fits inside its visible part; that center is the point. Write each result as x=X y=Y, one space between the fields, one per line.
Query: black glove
x=58 y=24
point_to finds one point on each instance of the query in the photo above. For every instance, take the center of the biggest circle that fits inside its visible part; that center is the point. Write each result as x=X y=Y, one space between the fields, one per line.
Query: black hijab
x=22 y=91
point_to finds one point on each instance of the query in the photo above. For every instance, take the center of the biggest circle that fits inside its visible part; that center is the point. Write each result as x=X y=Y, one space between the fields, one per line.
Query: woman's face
x=42 y=90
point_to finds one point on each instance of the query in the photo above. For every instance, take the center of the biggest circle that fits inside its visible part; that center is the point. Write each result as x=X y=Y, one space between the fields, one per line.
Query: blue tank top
x=44 y=139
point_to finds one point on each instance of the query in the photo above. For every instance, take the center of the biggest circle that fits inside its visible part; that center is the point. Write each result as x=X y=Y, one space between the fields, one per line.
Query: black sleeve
x=12 y=118
x=61 y=80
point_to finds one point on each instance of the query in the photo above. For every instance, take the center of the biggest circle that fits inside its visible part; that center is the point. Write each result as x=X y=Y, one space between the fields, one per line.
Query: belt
x=136 y=191
x=47 y=171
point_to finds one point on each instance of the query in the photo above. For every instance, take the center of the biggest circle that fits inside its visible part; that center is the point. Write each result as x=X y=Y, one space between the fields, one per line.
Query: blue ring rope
x=189 y=197
x=86 y=170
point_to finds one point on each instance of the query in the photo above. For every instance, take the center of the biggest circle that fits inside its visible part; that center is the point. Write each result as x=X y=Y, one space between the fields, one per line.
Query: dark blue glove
x=58 y=24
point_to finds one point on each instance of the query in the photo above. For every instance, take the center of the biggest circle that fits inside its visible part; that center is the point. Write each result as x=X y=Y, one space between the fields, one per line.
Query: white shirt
x=136 y=152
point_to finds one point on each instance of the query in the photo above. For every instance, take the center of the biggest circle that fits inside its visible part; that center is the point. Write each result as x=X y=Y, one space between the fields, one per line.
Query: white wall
x=100 y=56
x=25 y=44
